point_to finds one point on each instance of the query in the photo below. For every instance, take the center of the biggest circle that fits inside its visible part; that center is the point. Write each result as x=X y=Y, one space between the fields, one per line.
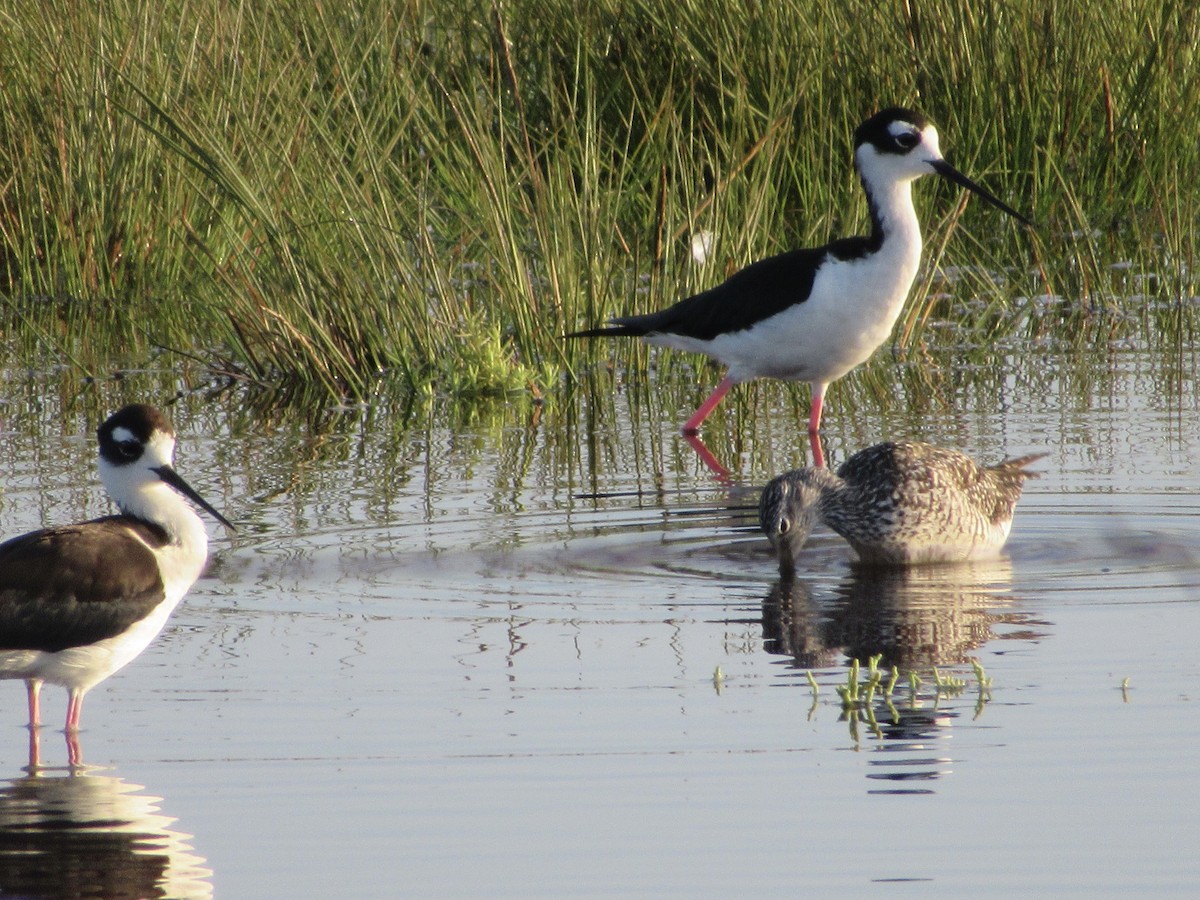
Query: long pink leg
x=814 y=425
x=814 y=414
x=818 y=451
x=74 y=708
x=706 y=457
x=35 y=751
x=692 y=425
x=74 y=750
x=33 y=687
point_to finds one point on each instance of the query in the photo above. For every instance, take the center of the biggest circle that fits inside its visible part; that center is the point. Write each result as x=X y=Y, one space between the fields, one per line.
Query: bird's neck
x=830 y=485
x=160 y=505
x=182 y=559
x=821 y=477
x=894 y=224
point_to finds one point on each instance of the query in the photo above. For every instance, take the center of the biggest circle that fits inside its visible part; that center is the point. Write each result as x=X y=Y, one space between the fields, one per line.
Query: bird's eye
x=908 y=140
x=785 y=525
x=129 y=449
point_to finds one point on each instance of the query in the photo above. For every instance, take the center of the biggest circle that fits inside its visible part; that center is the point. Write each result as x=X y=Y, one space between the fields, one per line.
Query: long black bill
x=948 y=171
x=173 y=478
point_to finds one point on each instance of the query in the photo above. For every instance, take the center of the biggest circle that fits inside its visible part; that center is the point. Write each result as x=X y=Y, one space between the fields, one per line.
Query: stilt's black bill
x=173 y=478
x=950 y=173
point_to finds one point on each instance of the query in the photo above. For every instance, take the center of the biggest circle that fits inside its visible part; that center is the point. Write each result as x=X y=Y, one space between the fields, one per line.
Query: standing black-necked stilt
x=78 y=602
x=898 y=504
x=813 y=315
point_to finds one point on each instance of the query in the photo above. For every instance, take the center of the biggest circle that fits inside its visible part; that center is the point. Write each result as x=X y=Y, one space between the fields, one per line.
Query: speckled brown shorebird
x=898 y=503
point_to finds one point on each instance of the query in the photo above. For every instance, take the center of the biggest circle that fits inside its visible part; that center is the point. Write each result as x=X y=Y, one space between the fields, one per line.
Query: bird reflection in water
x=793 y=626
x=915 y=619
x=91 y=835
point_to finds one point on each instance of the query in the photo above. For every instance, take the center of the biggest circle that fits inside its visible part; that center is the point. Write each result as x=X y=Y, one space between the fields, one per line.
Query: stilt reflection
x=92 y=835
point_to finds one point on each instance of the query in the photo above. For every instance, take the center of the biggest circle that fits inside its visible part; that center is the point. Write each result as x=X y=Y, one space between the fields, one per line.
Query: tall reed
x=434 y=192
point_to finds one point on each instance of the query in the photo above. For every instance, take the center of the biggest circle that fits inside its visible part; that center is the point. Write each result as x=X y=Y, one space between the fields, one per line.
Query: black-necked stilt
x=813 y=315
x=898 y=504
x=78 y=602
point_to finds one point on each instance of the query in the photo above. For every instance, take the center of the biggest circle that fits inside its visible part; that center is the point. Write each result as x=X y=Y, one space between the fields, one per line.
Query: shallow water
x=447 y=659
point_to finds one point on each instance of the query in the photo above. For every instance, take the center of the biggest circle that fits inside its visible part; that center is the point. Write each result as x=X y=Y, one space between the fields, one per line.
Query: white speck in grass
x=702 y=244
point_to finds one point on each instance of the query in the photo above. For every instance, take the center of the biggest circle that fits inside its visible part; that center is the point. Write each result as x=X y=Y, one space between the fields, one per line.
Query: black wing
x=759 y=291
x=78 y=584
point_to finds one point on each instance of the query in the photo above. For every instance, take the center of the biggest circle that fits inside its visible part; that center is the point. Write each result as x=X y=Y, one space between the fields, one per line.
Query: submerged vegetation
x=860 y=698
x=329 y=194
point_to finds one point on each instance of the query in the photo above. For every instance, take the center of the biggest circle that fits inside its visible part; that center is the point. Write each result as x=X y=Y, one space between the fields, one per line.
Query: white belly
x=81 y=668
x=850 y=312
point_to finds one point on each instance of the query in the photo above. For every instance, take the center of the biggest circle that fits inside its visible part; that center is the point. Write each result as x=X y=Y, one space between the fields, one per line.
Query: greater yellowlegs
x=898 y=504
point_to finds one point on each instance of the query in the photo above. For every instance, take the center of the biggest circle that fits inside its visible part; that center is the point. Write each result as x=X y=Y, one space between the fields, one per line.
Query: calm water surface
x=450 y=658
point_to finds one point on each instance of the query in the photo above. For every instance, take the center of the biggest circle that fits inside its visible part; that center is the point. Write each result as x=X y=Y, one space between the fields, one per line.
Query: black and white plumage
x=78 y=602
x=898 y=504
x=814 y=314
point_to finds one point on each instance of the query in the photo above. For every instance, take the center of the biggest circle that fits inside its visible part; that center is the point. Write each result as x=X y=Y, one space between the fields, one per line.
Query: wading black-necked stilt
x=813 y=315
x=78 y=602
x=898 y=504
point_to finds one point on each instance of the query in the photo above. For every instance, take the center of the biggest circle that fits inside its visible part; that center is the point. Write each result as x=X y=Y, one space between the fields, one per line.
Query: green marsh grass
x=327 y=197
x=860 y=696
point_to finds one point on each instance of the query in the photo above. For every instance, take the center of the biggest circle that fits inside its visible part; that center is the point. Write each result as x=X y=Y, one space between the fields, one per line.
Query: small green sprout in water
x=891 y=685
x=873 y=681
x=947 y=684
x=985 y=687
x=856 y=694
x=874 y=676
x=816 y=690
x=985 y=682
x=891 y=708
x=849 y=691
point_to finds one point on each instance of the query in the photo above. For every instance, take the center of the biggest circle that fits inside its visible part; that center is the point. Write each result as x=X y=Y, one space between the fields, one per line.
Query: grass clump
x=863 y=691
x=436 y=191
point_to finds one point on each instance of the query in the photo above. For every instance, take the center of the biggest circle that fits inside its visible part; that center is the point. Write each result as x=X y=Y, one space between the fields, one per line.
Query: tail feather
x=614 y=329
x=1019 y=464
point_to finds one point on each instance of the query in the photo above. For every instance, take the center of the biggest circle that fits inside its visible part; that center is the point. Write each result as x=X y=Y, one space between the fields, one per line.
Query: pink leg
x=814 y=425
x=692 y=425
x=818 y=451
x=706 y=456
x=34 y=688
x=35 y=751
x=74 y=750
x=74 y=708
x=814 y=414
